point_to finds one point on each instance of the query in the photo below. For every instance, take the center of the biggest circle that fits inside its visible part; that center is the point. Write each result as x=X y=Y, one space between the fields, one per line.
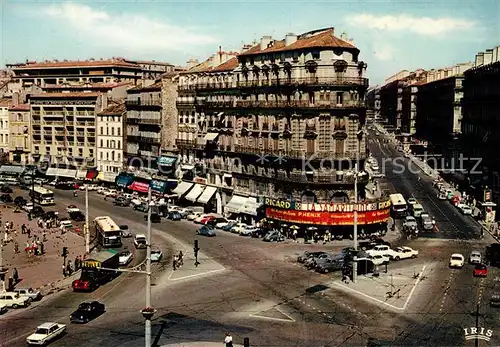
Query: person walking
x=69 y=270
x=174 y=265
x=181 y=258
x=228 y=340
x=15 y=276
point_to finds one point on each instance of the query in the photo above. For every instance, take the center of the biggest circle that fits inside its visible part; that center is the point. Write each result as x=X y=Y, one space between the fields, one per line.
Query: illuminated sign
x=91 y=263
x=327 y=217
x=474 y=333
x=280 y=203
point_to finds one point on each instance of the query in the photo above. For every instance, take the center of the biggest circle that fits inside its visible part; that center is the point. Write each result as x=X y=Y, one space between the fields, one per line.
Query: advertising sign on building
x=487 y=195
x=286 y=204
x=166 y=161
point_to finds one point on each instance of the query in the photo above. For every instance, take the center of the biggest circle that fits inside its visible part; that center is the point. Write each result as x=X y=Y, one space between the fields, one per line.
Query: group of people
x=178 y=260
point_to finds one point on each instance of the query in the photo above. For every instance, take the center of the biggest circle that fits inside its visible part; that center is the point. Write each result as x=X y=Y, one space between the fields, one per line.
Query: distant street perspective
x=283 y=191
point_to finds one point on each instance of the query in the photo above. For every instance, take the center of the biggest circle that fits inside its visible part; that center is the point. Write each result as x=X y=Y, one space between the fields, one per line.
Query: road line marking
x=276 y=319
x=197 y=275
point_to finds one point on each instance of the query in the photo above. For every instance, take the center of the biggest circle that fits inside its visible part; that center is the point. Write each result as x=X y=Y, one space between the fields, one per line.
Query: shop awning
x=187 y=167
x=51 y=171
x=107 y=176
x=210 y=136
x=92 y=174
x=66 y=173
x=11 y=169
x=80 y=174
x=166 y=161
x=124 y=180
x=250 y=206
x=234 y=205
x=158 y=186
x=195 y=192
x=140 y=187
x=207 y=194
x=182 y=188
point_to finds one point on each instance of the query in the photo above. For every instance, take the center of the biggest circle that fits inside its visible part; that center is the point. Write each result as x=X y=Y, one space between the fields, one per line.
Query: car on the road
x=457 y=261
x=405 y=252
x=125 y=257
x=442 y=196
x=417 y=210
x=383 y=250
x=140 y=241
x=143 y=207
x=412 y=201
x=29 y=293
x=480 y=270
x=311 y=262
x=77 y=216
x=330 y=265
x=410 y=223
x=221 y=221
x=206 y=219
x=205 y=230
x=6 y=189
x=306 y=255
x=229 y=226
x=20 y=201
x=379 y=259
x=201 y=217
x=155 y=218
x=238 y=227
x=427 y=222
x=71 y=208
x=66 y=225
x=193 y=215
x=125 y=232
x=28 y=206
x=174 y=215
x=14 y=300
x=475 y=257
x=495 y=299
x=110 y=193
x=120 y=201
x=87 y=311
x=249 y=230
x=465 y=209
x=3 y=309
x=274 y=236
x=156 y=255
x=46 y=333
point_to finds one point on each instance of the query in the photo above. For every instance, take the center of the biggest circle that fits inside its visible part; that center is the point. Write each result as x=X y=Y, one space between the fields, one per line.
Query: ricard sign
x=474 y=333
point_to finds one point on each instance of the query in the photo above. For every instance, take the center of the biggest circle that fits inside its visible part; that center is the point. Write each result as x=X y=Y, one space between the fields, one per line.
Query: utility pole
x=355 y=236
x=3 y=272
x=148 y=273
x=477 y=315
x=86 y=230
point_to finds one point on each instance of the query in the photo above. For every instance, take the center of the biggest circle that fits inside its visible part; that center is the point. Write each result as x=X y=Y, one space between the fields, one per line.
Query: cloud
x=384 y=52
x=126 y=31
x=419 y=25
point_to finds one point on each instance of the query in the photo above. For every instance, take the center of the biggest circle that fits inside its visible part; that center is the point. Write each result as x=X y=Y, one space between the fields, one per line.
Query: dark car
x=141 y=207
x=87 y=311
x=206 y=231
x=125 y=232
x=495 y=299
x=6 y=189
x=6 y=198
x=20 y=201
x=51 y=215
x=155 y=218
x=228 y=226
x=121 y=202
x=77 y=216
x=258 y=232
x=37 y=211
x=274 y=236
x=174 y=215
x=306 y=255
x=330 y=265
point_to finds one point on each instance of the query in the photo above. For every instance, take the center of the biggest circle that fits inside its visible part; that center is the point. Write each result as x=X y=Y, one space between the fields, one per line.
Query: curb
x=54 y=285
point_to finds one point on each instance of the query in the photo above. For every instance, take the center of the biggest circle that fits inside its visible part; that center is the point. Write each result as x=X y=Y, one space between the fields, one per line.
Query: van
x=417 y=210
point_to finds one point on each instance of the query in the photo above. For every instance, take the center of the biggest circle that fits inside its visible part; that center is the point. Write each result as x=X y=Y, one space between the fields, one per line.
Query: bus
x=42 y=196
x=398 y=205
x=108 y=232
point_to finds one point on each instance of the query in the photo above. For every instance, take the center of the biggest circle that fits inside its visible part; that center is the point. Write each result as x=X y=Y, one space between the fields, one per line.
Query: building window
x=100 y=156
x=107 y=131
x=315 y=55
x=102 y=142
x=102 y=131
x=112 y=131
x=310 y=146
x=119 y=131
x=113 y=155
x=118 y=156
x=107 y=155
x=340 y=98
x=119 y=144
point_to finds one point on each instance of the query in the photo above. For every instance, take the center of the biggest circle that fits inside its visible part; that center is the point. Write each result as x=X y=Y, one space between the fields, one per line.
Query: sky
x=391 y=35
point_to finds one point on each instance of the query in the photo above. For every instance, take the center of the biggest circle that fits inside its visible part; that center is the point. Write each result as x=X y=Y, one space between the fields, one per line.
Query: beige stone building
x=20 y=134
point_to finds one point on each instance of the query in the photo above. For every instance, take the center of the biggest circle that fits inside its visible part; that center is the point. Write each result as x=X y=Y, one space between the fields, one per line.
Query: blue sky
x=391 y=35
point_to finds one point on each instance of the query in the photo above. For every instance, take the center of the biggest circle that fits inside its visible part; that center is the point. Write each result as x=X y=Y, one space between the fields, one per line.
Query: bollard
x=246 y=342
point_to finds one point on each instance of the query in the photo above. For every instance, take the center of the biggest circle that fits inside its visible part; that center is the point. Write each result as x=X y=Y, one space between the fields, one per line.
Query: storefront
x=250 y=210
x=81 y=174
x=11 y=172
x=166 y=165
x=235 y=204
x=158 y=186
x=124 y=180
x=140 y=187
x=64 y=174
x=195 y=192
x=93 y=173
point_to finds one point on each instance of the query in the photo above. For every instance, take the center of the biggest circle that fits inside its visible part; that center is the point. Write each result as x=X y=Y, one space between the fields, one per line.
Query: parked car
x=312 y=262
x=155 y=218
x=220 y=222
x=405 y=253
x=206 y=231
x=330 y=265
x=20 y=201
x=3 y=309
x=384 y=250
x=306 y=255
x=238 y=227
x=379 y=259
x=156 y=255
x=140 y=241
x=141 y=207
x=46 y=333
x=427 y=222
x=229 y=226
x=457 y=261
x=6 y=189
x=480 y=270
x=6 y=198
x=475 y=257
x=125 y=231
x=248 y=231
x=29 y=293
x=274 y=236
x=412 y=201
x=418 y=210
x=465 y=209
x=193 y=215
x=120 y=201
x=77 y=216
x=202 y=217
x=87 y=311
x=174 y=215
x=125 y=257
x=14 y=300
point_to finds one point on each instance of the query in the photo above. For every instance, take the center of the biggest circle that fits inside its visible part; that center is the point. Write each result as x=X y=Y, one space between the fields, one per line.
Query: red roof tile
x=87 y=86
x=66 y=95
x=21 y=107
x=71 y=64
x=155 y=86
x=229 y=65
x=114 y=109
x=322 y=39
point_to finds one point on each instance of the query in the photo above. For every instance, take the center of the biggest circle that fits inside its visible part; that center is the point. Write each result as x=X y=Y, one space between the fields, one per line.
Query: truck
x=492 y=254
x=97 y=269
x=46 y=333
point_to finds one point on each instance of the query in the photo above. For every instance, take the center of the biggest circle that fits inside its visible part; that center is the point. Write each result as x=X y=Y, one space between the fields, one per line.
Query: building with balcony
x=20 y=134
x=86 y=71
x=110 y=140
x=481 y=119
x=4 y=124
x=153 y=70
x=284 y=120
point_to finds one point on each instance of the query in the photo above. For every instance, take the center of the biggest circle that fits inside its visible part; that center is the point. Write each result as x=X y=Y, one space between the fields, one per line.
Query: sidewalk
x=38 y=271
x=393 y=290
x=199 y=344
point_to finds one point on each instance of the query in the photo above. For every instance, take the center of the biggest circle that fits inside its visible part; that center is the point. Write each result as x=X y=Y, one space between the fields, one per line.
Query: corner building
x=281 y=130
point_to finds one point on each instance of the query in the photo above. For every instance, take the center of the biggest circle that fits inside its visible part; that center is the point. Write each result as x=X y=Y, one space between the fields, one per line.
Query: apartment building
x=247 y=126
x=110 y=140
x=20 y=134
x=4 y=124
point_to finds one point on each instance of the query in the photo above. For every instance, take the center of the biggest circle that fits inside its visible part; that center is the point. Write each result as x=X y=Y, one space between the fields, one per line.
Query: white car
x=412 y=201
x=101 y=190
x=379 y=259
x=405 y=253
x=156 y=255
x=110 y=193
x=14 y=300
x=238 y=227
x=29 y=293
x=442 y=196
x=221 y=225
x=465 y=209
x=125 y=257
x=65 y=225
x=382 y=250
x=193 y=215
x=45 y=333
x=457 y=261
x=475 y=257
x=28 y=207
x=140 y=241
x=248 y=230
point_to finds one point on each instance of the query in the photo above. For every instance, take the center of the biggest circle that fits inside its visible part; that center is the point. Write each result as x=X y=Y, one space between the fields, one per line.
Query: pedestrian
x=23 y=229
x=181 y=258
x=16 y=247
x=295 y=232
x=228 y=340
x=69 y=270
x=76 y=263
x=325 y=238
x=15 y=275
x=175 y=263
x=29 y=232
x=64 y=270
x=42 y=247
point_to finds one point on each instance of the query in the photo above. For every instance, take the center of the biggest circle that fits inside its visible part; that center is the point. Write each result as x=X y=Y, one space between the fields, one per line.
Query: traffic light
x=246 y=342
x=65 y=251
x=196 y=248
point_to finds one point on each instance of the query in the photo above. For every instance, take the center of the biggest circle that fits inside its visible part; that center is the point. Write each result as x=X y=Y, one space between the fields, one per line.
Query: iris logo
x=478 y=333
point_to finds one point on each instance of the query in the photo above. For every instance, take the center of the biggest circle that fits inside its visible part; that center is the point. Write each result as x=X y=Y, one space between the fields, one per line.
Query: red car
x=207 y=219
x=480 y=270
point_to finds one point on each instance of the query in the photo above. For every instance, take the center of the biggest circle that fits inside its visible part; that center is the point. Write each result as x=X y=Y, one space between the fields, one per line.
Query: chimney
x=344 y=36
x=220 y=55
x=264 y=42
x=290 y=38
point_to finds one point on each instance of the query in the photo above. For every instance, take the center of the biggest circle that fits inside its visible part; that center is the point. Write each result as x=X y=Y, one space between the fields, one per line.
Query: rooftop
x=229 y=65
x=114 y=109
x=72 y=63
x=21 y=107
x=5 y=102
x=155 y=86
x=314 y=39
x=66 y=95
x=86 y=85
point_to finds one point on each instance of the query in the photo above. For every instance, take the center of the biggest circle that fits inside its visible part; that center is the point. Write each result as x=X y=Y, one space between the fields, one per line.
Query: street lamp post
x=149 y=315
x=86 y=230
x=30 y=217
x=3 y=272
x=355 y=232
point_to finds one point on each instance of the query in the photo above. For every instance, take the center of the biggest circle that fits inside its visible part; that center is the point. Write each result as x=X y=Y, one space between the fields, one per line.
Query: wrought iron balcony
x=155 y=121
x=310 y=155
x=220 y=104
x=298 y=104
x=146 y=139
x=312 y=81
x=189 y=144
